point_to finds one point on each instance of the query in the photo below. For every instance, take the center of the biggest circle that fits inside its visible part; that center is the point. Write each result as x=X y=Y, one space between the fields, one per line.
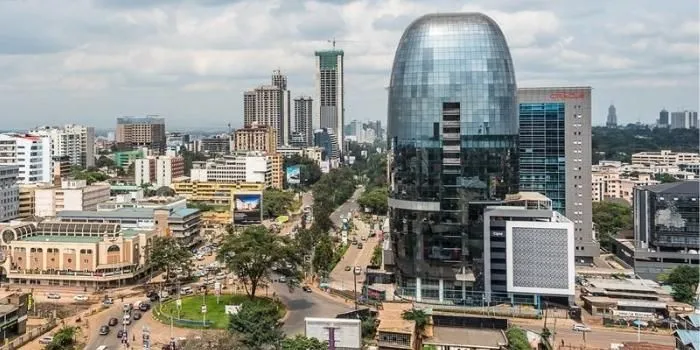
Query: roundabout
x=191 y=314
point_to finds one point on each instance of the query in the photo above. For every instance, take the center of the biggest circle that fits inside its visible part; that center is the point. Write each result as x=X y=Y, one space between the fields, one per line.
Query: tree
x=684 y=280
x=165 y=191
x=167 y=254
x=257 y=325
x=665 y=178
x=254 y=252
x=368 y=327
x=420 y=318
x=104 y=161
x=221 y=340
x=323 y=255
x=517 y=339
x=301 y=342
x=375 y=199
x=377 y=256
x=309 y=171
x=276 y=203
x=64 y=339
x=611 y=217
x=620 y=143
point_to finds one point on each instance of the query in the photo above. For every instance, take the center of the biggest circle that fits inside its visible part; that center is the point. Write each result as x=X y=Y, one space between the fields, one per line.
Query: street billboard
x=247 y=207
x=346 y=332
x=293 y=174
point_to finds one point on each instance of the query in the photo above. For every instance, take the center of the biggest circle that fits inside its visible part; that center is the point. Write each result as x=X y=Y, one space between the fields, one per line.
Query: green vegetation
x=620 y=143
x=332 y=190
x=324 y=257
x=611 y=217
x=376 y=256
x=257 y=324
x=64 y=339
x=684 y=281
x=167 y=254
x=221 y=340
x=216 y=314
x=368 y=327
x=276 y=203
x=665 y=178
x=309 y=171
x=207 y=207
x=517 y=339
x=301 y=342
x=254 y=252
x=90 y=175
x=375 y=199
x=104 y=161
x=420 y=318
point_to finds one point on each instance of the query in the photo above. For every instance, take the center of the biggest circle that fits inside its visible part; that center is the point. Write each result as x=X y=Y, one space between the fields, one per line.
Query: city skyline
x=189 y=61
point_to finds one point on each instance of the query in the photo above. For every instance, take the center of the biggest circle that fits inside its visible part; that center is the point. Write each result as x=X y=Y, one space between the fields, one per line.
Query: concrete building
x=684 y=120
x=71 y=195
x=176 y=140
x=217 y=193
x=251 y=167
x=136 y=200
x=52 y=253
x=555 y=153
x=125 y=158
x=219 y=144
x=611 y=182
x=159 y=170
x=328 y=141
x=666 y=231
x=663 y=119
x=14 y=307
x=269 y=105
x=329 y=111
x=61 y=169
x=184 y=224
x=303 y=121
x=256 y=137
x=9 y=192
x=314 y=153
x=626 y=298
x=147 y=132
x=77 y=142
x=31 y=154
x=611 y=121
x=525 y=234
x=280 y=80
x=665 y=157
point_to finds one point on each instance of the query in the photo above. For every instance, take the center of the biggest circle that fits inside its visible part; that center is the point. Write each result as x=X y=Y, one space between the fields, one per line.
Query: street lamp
x=356 y=271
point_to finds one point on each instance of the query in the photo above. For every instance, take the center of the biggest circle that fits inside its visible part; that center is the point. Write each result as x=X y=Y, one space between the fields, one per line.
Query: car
x=144 y=306
x=104 y=330
x=121 y=333
x=126 y=321
x=363 y=238
x=46 y=340
x=283 y=279
x=53 y=296
x=113 y=321
x=354 y=242
x=80 y=297
x=306 y=289
x=348 y=268
x=137 y=316
x=108 y=301
x=359 y=246
x=580 y=327
x=127 y=307
x=102 y=347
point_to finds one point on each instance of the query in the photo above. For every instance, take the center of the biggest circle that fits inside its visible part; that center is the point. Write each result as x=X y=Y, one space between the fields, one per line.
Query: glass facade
x=453 y=130
x=542 y=157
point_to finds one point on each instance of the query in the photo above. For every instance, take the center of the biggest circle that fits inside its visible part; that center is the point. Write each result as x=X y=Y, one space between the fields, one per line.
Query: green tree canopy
x=309 y=171
x=665 y=178
x=620 y=143
x=104 y=161
x=684 y=280
x=165 y=191
x=257 y=325
x=64 y=339
x=375 y=199
x=301 y=342
x=254 y=252
x=611 y=217
x=276 y=203
x=323 y=256
x=167 y=254
x=90 y=176
x=517 y=339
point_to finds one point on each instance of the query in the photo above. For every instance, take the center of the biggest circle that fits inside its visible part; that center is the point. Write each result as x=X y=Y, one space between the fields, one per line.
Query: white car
x=45 y=340
x=53 y=296
x=580 y=327
x=80 y=297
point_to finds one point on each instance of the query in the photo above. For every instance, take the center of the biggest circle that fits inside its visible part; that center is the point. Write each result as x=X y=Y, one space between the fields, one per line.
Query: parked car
x=580 y=327
x=80 y=297
x=53 y=296
x=113 y=321
x=104 y=330
x=348 y=268
x=306 y=289
x=121 y=333
x=108 y=301
x=359 y=246
x=46 y=340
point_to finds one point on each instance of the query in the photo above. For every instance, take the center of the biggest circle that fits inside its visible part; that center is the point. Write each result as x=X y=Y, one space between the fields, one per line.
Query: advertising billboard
x=293 y=174
x=346 y=332
x=247 y=207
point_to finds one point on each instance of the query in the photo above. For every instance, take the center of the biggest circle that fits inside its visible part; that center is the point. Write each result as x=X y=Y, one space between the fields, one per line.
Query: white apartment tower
x=270 y=105
x=30 y=153
x=329 y=111
x=76 y=142
x=9 y=192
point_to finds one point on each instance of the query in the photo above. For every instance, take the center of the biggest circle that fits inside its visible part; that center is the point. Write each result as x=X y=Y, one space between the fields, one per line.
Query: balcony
x=450 y=136
x=450 y=123
x=451 y=161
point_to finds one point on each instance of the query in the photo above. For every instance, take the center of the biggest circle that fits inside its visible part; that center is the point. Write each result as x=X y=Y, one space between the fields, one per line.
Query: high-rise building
x=555 y=155
x=280 y=80
x=303 y=114
x=326 y=139
x=270 y=105
x=142 y=132
x=255 y=137
x=76 y=142
x=31 y=153
x=663 y=118
x=252 y=167
x=158 y=171
x=453 y=131
x=693 y=120
x=329 y=111
x=684 y=120
x=612 y=117
x=9 y=192
x=249 y=107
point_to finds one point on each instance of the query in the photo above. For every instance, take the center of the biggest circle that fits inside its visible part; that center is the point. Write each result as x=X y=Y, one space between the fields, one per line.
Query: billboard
x=247 y=207
x=293 y=174
x=325 y=166
x=347 y=332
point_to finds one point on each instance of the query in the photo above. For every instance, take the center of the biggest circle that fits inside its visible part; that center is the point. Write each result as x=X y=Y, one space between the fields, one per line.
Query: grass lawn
x=191 y=308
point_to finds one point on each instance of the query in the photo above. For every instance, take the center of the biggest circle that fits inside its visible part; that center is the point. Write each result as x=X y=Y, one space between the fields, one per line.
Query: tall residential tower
x=329 y=111
x=303 y=128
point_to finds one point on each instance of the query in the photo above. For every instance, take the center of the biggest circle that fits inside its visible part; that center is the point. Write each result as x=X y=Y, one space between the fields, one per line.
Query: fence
x=29 y=336
x=165 y=318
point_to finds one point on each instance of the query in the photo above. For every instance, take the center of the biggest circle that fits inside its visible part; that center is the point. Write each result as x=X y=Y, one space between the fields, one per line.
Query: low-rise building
x=251 y=167
x=123 y=159
x=158 y=170
x=71 y=195
x=256 y=137
x=74 y=254
x=218 y=193
x=665 y=157
x=610 y=183
x=626 y=298
x=184 y=223
x=129 y=201
x=9 y=192
x=13 y=314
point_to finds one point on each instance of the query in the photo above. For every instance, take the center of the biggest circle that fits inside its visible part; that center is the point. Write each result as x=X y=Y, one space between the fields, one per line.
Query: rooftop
x=688 y=337
x=628 y=285
x=467 y=337
x=63 y=239
x=7 y=308
x=391 y=320
x=688 y=187
x=126 y=213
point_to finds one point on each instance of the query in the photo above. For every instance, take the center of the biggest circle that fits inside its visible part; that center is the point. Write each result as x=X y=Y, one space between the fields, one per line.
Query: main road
x=350 y=206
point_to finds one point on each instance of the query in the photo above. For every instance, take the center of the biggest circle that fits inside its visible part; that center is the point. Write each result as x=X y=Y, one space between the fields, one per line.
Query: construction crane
x=333 y=41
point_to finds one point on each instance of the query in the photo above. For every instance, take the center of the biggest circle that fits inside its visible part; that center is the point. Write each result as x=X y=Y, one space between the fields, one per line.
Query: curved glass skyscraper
x=453 y=129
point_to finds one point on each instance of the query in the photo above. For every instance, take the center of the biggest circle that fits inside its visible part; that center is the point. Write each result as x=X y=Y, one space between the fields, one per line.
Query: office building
x=692 y=120
x=147 y=132
x=270 y=105
x=611 y=121
x=176 y=140
x=314 y=153
x=52 y=253
x=158 y=170
x=76 y=142
x=61 y=169
x=256 y=137
x=9 y=192
x=30 y=153
x=280 y=80
x=666 y=232
x=303 y=116
x=124 y=159
x=555 y=155
x=217 y=193
x=665 y=157
x=525 y=234
x=251 y=167
x=329 y=111
x=611 y=183
x=663 y=119
x=684 y=120
x=71 y=195
x=219 y=144
x=184 y=224
x=451 y=148
x=328 y=141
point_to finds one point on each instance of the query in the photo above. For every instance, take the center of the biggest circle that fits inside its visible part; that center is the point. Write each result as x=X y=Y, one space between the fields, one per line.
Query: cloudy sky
x=90 y=61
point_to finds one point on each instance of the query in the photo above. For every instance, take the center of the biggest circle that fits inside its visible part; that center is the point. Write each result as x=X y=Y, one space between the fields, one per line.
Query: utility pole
x=331 y=337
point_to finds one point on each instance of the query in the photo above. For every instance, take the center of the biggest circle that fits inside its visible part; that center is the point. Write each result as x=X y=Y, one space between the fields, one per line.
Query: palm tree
x=421 y=319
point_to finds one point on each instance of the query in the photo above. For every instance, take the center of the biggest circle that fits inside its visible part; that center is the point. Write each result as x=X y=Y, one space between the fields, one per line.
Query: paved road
x=301 y=304
x=598 y=338
x=349 y=206
x=341 y=279
x=95 y=339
